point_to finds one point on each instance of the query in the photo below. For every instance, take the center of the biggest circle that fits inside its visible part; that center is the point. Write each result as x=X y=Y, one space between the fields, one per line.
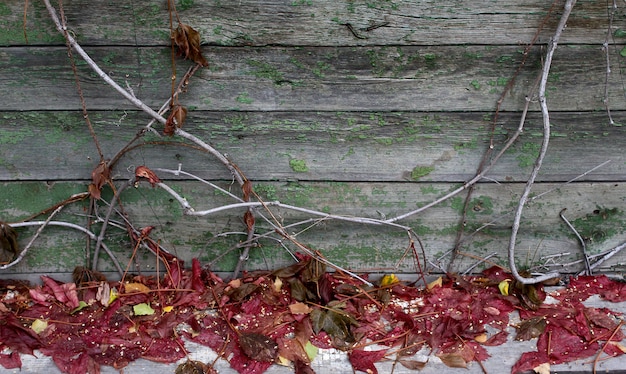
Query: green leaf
x=143 y=309
x=81 y=305
x=623 y=52
x=311 y=350
x=336 y=324
x=619 y=33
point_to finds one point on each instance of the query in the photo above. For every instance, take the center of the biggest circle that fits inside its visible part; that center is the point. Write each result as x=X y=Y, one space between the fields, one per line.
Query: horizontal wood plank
x=439 y=78
x=304 y=22
x=596 y=209
x=339 y=146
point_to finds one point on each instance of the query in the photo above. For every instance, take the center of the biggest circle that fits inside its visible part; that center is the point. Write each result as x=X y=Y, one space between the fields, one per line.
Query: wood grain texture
x=387 y=78
x=595 y=208
x=330 y=146
x=305 y=22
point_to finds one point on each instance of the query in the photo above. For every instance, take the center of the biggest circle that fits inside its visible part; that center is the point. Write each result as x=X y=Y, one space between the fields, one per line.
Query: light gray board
x=365 y=146
x=377 y=78
x=305 y=22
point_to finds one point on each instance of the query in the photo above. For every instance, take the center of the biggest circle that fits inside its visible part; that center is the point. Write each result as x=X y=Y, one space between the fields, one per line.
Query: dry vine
x=177 y=113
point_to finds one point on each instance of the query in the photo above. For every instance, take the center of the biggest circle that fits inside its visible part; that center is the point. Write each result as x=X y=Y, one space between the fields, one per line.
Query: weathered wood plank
x=288 y=22
x=440 y=78
x=596 y=209
x=340 y=146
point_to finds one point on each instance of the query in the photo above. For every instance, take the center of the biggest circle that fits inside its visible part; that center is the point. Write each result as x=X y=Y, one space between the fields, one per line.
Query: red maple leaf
x=364 y=360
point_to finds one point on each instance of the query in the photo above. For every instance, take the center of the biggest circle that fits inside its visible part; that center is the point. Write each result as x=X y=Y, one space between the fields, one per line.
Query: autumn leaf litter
x=286 y=316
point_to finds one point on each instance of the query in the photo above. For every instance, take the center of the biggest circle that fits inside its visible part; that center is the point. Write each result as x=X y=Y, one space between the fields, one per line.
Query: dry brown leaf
x=299 y=308
x=188 y=42
x=175 y=120
x=136 y=287
x=453 y=360
x=258 y=346
x=412 y=364
x=99 y=176
x=145 y=172
x=8 y=243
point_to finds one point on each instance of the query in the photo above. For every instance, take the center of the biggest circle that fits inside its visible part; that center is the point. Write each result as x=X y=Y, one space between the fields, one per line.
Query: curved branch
x=542 y=153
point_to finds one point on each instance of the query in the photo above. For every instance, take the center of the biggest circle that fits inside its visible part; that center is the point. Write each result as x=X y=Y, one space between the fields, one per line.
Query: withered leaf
x=99 y=176
x=336 y=324
x=258 y=346
x=8 y=243
x=453 y=360
x=531 y=328
x=247 y=190
x=412 y=364
x=248 y=218
x=194 y=367
x=144 y=172
x=188 y=42
x=239 y=293
x=175 y=120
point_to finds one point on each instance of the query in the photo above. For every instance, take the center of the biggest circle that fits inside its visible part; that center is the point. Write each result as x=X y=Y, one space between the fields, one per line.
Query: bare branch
x=544 y=148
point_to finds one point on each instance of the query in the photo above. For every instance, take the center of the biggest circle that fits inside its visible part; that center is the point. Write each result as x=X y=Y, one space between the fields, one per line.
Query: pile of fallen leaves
x=285 y=316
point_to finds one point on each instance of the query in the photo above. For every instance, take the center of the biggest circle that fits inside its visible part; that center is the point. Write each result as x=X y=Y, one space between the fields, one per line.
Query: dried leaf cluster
x=285 y=316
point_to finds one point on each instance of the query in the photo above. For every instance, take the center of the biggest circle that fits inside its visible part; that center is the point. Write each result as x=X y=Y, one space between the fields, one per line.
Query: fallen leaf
x=336 y=324
x=435 y=283
x=531 y=328
x=258 y=346
x=364 y=360
x=504 y=287
x=39 y=325
x=453 y=360
x=388 y=280
x=143 y=309
x=136 y=287
x=299 y=308
x=543 y=368
x=412 y=364
x=188 y=42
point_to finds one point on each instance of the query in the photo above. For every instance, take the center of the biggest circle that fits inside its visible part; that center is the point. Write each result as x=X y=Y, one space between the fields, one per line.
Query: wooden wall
x=372 y=122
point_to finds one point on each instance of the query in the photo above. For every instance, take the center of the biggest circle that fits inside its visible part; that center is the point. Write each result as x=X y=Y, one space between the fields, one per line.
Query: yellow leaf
x=136 y=287
x=388 y=280
x=504 y=287
x=39 y=325
x=283 y=361
x=543 y=368
x=278 y=284
x=168 y=308
x=112 y=296
x=481 y=338
x=436 y=282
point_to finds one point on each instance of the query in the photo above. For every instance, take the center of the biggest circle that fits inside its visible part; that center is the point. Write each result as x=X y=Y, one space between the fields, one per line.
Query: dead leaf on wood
x=144 y=172
x=258 y=346
x=99 y=176
x=175 y=120
x=188 y=42
x=8 y=243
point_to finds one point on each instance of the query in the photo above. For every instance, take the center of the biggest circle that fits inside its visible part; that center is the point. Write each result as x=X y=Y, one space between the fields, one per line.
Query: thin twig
x=544 y=148
x=32 y=240
x=605 y=48
x=580 y=240
x=138 y=103
x=71 y=226
x=105 y=221
x=610 y=254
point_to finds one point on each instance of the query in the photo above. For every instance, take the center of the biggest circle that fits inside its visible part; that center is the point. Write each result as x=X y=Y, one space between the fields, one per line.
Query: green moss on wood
x=421 y=171
x=299 y=166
